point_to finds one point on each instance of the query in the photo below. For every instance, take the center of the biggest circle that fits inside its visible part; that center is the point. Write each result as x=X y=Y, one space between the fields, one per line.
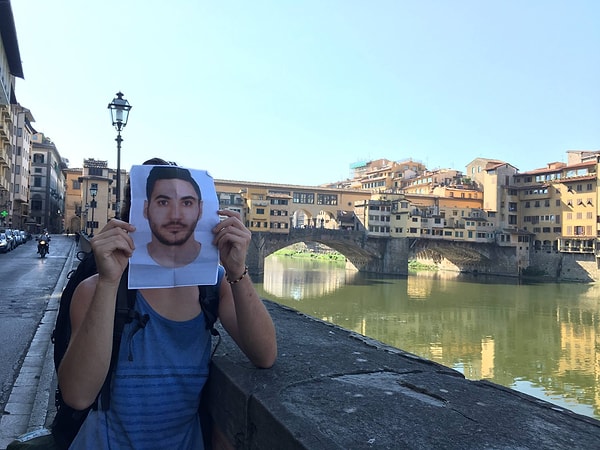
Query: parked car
x=10 y=238
x=17 y=236
x=25 y=236
x=4 y=244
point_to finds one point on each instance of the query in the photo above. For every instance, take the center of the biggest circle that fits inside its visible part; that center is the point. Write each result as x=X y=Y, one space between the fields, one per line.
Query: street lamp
x=119 y=112
x=87 y=222
x=93 y=192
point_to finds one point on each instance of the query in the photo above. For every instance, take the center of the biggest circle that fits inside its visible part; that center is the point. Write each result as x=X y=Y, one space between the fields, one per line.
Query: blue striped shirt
x=156 y=387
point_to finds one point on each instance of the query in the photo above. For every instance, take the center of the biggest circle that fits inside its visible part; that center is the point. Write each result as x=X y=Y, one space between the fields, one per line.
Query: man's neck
x=173 y=256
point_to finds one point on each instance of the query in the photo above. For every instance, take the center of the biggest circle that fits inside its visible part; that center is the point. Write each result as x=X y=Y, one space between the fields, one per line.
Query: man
x=163 y=363
x=173 y=207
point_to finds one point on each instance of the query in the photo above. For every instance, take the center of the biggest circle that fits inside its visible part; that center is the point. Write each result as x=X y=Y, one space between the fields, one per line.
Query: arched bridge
x=386 y=255
x=367 y=254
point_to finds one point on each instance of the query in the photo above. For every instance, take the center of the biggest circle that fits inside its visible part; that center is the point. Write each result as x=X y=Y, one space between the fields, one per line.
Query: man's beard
x=168 y=238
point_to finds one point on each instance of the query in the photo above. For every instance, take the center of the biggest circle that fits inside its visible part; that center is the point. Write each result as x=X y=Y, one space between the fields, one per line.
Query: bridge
x=386 y=255
x=367 y=254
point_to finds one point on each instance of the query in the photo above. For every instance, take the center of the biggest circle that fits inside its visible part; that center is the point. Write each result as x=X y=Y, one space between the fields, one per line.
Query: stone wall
x=566 y=266
x=334 y=389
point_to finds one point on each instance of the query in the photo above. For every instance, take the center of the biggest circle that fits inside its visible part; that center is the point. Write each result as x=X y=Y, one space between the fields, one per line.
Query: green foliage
x=295 y=252
x=416 y=266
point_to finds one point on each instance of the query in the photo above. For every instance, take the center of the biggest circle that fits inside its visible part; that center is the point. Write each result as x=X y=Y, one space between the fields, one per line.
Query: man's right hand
x=113 y=247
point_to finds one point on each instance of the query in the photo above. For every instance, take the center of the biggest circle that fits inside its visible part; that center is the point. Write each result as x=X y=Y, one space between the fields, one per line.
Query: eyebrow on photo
x=168 y=197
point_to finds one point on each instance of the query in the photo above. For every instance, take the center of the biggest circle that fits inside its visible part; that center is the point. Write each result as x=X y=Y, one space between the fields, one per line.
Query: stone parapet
x=333 y=389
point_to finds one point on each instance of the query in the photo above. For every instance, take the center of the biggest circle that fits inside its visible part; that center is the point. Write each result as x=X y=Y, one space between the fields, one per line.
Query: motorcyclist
x=46 y=238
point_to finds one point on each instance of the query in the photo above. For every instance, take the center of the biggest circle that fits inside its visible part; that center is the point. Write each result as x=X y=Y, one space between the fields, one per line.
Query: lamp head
x=119 y=111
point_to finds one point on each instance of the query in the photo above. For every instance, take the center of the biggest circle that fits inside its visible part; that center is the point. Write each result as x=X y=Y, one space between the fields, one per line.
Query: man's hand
x=112 y=248
x=232 y=239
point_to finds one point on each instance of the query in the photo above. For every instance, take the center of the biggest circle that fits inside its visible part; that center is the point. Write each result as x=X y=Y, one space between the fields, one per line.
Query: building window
x=327 y=199
x=37 y=181
x=38 y=158
x=304 y=198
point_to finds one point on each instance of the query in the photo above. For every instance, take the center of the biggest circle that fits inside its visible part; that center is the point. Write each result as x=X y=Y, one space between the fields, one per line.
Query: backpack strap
x=124 y=313
x=209 y=301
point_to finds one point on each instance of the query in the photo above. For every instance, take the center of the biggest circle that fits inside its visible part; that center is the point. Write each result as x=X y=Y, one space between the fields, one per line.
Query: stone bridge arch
x=379 y=255
x=465 y=256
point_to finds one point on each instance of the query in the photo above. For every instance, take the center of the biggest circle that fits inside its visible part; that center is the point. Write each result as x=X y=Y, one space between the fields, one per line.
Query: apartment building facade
x=96 y=195
x=10 y=69
x=559 y=205
x=21 y=166
x=47 y=187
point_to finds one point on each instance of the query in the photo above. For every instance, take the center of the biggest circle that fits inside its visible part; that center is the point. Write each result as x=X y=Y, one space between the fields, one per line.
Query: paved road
x=28 y=283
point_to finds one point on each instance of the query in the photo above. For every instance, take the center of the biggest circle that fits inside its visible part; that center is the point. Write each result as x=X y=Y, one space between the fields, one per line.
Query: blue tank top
x=155 y=391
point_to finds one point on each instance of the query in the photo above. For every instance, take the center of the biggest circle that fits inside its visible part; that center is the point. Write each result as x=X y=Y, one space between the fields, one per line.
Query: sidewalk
x=32 y=397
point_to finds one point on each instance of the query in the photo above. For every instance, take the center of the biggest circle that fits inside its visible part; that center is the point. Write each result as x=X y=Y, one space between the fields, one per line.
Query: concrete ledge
x=334 y=389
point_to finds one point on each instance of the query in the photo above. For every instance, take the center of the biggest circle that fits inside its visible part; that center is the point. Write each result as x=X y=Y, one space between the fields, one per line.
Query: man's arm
x=241 y=310
x=85 y=365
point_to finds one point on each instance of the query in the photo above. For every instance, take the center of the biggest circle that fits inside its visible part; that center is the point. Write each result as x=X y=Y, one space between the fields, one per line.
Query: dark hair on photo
x=127 y=197
x=170 y=173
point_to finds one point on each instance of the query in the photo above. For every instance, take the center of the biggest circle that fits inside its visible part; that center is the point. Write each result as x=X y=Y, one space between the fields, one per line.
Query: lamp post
x=93 y=192
x=87 y=222
x=119 y=112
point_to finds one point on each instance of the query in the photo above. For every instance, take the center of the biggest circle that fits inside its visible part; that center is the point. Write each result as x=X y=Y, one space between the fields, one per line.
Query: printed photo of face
x=173 y=208
x=172 y=234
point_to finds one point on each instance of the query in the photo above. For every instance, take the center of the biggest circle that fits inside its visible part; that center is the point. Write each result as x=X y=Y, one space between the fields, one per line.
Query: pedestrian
x=162 y=367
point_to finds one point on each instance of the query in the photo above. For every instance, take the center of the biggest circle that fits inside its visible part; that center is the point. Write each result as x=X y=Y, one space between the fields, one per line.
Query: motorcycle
x=43 y=247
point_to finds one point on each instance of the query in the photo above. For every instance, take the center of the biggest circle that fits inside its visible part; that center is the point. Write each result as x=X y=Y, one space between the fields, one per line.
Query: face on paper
x=173 y=211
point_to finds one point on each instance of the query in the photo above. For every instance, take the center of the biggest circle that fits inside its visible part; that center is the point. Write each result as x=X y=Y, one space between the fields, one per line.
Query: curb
x=27 y=406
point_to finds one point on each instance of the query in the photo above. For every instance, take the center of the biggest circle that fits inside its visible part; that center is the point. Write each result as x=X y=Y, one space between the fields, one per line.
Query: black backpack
x=67 y=420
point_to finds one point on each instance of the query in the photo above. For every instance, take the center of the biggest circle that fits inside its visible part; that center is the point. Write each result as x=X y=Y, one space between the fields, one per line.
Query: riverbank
x=313 y=251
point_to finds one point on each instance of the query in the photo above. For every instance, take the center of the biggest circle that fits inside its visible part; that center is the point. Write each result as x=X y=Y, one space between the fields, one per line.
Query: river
x=541 y=339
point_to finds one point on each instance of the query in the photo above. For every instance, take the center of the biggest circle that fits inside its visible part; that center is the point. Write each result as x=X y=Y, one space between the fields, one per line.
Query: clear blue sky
x=296 y=91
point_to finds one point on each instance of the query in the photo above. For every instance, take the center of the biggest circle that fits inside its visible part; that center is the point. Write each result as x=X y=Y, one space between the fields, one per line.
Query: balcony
x=4 y=157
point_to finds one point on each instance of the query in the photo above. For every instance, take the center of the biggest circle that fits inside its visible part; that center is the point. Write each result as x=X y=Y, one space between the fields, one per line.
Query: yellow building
x=429 y=181
x=277 y=207
x=95 y=186
x=559 y=205
x=73 y=200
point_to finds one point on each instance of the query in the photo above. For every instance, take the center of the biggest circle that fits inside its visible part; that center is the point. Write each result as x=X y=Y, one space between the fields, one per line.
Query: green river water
x=541 y=339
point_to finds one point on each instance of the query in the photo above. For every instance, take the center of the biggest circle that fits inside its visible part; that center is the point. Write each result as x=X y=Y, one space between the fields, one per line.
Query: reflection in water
x=305 y=278
x=540 y=339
